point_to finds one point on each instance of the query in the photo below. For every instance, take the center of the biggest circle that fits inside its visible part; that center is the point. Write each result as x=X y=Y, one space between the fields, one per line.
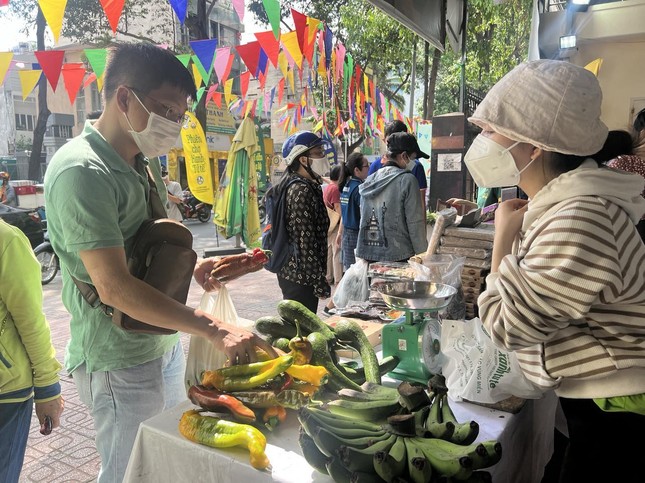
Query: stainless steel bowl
x=416 y=295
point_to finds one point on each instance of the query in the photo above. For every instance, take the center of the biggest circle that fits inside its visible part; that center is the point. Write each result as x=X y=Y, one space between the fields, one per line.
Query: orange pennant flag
x=244 y=83
x=73 y=75
x=113 y=9
x=28 y=81
x=53 y=11
x=51 y=62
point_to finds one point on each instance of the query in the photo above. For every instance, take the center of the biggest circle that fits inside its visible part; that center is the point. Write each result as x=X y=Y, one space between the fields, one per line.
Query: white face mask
x=411 y=164
x=159 y=135
x=492 y=165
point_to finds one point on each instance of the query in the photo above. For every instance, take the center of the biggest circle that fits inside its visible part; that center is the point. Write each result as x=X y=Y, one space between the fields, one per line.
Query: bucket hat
x=551 y=104
x=298 y=144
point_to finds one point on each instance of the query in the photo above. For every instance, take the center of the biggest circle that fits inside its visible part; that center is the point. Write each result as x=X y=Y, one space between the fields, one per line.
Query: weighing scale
x=414 y=337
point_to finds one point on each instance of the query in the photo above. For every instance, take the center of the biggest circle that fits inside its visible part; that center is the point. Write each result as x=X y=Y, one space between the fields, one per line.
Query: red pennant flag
x=300 y=21
x=90 y=78
x=262 y=78
x=4 y=3
x=51 y=62
x=217 y=99
x=113 y=9
x=73 y=79
x=244 y=82
x=270 y=45
x=280 y=90
x=250 y=54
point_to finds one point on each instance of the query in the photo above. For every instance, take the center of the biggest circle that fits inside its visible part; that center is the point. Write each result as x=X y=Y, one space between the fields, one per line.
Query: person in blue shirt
x=353 y=175
x=418 y=171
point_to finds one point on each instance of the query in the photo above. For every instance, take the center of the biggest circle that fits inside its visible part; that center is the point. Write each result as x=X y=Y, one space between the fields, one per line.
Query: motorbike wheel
x=204 y=214
x=48 y=265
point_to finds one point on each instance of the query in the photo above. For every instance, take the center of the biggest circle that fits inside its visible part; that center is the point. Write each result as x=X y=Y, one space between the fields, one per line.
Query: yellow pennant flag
x=290 y=42
x=197 y=76
x=53 y=11
x=28 y=80
x=291 y=81
x=366 y=87
x=228 y=88
x=594 y=66
x=283 y=64
x=99 y=83
x=5 y=61
x=198 y=166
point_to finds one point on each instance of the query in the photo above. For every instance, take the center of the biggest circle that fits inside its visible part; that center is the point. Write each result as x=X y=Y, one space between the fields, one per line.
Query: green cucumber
x=357 y=374
x=320 y=357
x=282 y=343
x=349 y=330
x=275 y=326
x=290 y=310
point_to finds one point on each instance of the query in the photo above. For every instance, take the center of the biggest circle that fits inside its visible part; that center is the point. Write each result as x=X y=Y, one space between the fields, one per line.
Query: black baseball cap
x=403 y=141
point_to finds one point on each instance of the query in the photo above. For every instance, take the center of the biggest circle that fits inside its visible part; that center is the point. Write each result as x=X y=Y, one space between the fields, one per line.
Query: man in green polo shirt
x=96 y=191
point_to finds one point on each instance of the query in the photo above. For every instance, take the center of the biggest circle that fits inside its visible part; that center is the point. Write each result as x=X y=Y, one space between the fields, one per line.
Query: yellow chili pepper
x=219 y=433
x=316 y=375
x=243 y=379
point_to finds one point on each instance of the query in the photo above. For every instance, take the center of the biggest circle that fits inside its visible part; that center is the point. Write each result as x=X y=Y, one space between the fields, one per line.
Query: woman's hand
x=465 y=205
x=48 y=414
x=202 y=274
x=508 y=223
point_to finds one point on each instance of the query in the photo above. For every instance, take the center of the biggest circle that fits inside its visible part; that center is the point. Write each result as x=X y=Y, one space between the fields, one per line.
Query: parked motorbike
x=49 y=263
x=193 y=208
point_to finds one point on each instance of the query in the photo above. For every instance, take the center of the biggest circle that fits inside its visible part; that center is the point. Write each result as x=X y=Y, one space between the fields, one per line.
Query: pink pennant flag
x=238 y=5
x=211 y=91
x=90 y=78
x=267 y=100
x=222 y=67
x=340 y=60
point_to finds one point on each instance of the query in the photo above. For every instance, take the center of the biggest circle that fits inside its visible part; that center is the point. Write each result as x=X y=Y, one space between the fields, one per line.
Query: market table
x=162 y=454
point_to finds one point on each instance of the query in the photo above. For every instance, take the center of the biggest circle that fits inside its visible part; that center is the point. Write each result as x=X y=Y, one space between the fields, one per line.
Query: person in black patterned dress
x=303 y=278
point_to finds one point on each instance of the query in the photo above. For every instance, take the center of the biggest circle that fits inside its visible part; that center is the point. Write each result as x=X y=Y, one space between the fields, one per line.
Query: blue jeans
x=120 y=400
x=15 y=419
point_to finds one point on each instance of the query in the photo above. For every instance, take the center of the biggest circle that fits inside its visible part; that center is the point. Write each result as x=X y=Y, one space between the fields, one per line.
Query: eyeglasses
x=171 y=113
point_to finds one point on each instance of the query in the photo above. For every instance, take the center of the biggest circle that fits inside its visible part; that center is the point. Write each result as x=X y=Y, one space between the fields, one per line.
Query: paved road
x=68 y=454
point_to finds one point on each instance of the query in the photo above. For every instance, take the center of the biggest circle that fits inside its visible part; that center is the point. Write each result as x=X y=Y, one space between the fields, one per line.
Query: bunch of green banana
x=372 y=402
x=442 y=423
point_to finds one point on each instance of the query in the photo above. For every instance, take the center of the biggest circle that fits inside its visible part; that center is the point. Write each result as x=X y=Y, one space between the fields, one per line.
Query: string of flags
x=353 y=95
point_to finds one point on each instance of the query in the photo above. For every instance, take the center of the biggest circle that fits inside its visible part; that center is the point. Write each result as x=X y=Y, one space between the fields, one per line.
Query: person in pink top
x=331 y=197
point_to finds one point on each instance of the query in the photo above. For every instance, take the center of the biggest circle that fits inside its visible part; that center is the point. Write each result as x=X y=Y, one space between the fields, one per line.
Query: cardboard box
x=371 y=328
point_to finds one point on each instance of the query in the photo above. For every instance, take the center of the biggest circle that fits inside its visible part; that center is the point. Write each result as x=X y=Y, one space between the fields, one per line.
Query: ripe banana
x=440 y=428
x=364 y=411
x=390 y=464
x=362 y=459
x=445 y=460
x=311 y=453
x=465 y=433
x=339 y=421
x=419 y=468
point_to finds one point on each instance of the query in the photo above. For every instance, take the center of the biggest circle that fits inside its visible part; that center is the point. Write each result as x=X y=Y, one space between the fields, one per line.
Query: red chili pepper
x=288 y=380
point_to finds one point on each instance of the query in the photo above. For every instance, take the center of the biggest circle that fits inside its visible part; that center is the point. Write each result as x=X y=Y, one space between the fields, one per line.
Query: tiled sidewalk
x=69 y=454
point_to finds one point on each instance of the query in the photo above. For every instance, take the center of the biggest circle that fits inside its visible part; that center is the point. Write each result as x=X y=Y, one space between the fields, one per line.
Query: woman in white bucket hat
x=565 y=290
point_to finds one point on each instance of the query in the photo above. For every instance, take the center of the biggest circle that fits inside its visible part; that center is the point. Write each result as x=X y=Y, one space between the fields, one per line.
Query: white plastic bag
x=202 y=355
x=354 y=286
x=477 y=370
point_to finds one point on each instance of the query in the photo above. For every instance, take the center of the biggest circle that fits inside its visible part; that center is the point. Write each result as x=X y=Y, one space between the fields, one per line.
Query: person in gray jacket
x=393 y=225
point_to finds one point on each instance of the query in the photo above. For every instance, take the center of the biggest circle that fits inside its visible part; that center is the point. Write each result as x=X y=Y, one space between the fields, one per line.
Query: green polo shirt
x=96 y=200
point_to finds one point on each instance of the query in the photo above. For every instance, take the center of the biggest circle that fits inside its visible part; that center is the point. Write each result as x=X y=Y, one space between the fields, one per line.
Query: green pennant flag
x=184 y=59
x=200 y=93
x=205 y=75
x=272 y=8
x=96 y=58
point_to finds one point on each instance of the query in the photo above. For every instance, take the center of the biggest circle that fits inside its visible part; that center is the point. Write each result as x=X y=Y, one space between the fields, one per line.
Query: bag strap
x=157 y=210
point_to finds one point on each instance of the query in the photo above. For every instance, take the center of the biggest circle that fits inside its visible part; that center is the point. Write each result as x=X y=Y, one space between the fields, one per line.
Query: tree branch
x=134 y=36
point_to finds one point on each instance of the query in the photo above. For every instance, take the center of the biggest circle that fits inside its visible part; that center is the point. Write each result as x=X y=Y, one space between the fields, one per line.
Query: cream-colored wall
x=622 y=77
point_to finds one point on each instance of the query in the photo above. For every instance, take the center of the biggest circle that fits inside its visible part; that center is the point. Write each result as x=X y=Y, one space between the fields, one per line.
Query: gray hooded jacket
x=393 y=225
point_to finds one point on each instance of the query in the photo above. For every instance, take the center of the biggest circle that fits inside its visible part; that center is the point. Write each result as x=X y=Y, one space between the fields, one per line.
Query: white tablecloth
x=161 y=454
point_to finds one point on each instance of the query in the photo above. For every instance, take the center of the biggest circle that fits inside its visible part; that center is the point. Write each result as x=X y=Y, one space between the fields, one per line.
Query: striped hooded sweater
x=570 y=300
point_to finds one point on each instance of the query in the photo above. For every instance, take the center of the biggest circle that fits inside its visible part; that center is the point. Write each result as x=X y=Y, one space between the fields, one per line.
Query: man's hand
x=48 y=414
x=238 y=344
x=461 y=203
x=202 y=274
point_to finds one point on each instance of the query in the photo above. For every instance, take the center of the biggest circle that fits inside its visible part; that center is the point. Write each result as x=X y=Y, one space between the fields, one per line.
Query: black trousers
x=300 y=293
x=603 y=446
